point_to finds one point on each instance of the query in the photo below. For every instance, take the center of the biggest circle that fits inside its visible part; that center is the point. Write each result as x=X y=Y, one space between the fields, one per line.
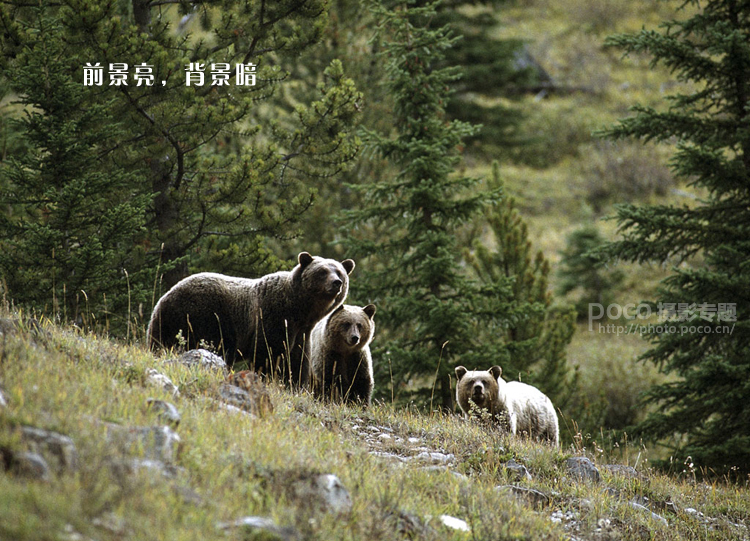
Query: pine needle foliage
x=221 y=172
x=581 y=272
x=72 y=226
x=414 y=272
x=529 y=341
x=703 y=411
x=493 y=68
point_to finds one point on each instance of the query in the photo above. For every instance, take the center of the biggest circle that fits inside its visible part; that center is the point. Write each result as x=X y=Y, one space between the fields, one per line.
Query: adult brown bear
x=261 y=323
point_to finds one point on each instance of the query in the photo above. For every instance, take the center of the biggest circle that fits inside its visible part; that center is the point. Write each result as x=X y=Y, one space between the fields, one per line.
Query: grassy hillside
x=114 y=471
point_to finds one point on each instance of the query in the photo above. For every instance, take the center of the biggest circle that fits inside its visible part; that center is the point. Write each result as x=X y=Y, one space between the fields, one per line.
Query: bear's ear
x=460 y=372
x=496 y=372
x=304 y=259
x=348 y=265
x=338 y=309
x=369 y=310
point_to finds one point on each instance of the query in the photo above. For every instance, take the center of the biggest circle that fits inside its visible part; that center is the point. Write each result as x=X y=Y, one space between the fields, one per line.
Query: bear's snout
x=354 y=339
x=334 y=287
x=478 y=390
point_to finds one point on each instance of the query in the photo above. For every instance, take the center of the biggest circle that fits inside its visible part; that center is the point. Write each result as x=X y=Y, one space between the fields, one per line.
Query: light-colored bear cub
x=521 y=408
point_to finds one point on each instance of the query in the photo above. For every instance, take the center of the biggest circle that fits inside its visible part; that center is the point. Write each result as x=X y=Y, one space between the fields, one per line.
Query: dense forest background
x=466 y=154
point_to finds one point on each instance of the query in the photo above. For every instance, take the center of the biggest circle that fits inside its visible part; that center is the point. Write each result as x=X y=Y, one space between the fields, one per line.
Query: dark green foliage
x=530 y=339
x=433 y=314
x=72 y=227
x=705 y=405
x=492 y=68
x=425 y=302
x=224 y=172
x=581 y=273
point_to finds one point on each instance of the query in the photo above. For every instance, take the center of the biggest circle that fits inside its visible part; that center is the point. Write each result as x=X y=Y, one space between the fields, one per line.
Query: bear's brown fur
x=261 y=323
x=340 y=355
x=478 y=388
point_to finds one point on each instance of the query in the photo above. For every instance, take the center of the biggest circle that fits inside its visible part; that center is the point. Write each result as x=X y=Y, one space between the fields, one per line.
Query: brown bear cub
x=262 y=323
x=340 y=355
x=477 y=392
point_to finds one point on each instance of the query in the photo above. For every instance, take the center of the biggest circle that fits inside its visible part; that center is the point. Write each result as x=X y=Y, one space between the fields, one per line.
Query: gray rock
x=517 y=471
x=110 y=522
x=622 y=470
x=582 y=468
x=231 y=409
x=159 y=443
x=454 y=523
x=231 y=394
x=444 y=469
x=8 y=327
x=566 y=518
x=530 y=496
x=325 y=492
x=694 y=513
x=53 y=444
x=644 y=509
x=202 y=358
x=261 y=524
x=234 y=396
x=246 y=390
x=166 y=411
x=69 y=533
x=131 y=466
x=392 y=457
x=3 y=401
x=434 y=458
x=159 y=380
x=30 y=465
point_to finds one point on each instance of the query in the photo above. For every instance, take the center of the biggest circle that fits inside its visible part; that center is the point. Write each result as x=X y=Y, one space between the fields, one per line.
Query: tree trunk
x=167 y=217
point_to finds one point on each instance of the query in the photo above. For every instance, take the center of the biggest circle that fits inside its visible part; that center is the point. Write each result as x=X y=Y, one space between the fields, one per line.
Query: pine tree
x=704 y=405
x=531 y=339
x=581 y=272
x=226 y=171
x=493 y=68
x=414 y=275
x=73 y=226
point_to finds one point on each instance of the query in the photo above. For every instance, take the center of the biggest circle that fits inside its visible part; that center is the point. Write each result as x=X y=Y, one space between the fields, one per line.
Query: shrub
x=624 y=172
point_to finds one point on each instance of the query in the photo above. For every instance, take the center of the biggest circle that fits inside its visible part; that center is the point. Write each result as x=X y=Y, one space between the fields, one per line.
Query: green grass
x=230 y=465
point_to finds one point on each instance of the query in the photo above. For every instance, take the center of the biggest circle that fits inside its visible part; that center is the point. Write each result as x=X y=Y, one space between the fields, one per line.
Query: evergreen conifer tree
x=492 y=68
x=581 y=272
x=427 y=305
x=704 y=405
x=531 y=338
x=224 y=170
x=73 y=226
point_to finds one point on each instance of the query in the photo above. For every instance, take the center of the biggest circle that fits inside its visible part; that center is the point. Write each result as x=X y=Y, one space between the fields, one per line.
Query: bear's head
x=478 y=387
x=351 y=328
x=323 y=282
